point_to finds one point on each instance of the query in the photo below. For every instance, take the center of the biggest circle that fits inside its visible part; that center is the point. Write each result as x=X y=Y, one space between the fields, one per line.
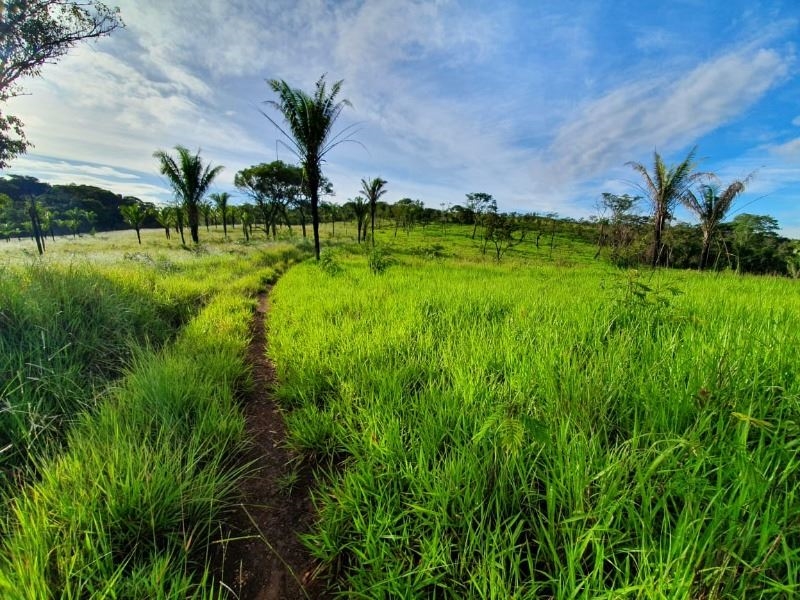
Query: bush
x=379 y=260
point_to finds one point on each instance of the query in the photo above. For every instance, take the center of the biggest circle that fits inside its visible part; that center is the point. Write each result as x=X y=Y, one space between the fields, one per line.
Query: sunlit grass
x=539 y=430
x=118 y=484
x=543 y=427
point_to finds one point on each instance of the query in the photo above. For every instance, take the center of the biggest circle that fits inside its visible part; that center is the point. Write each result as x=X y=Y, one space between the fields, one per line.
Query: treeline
x=748 y=243
x=59 y=209
x=275 y=199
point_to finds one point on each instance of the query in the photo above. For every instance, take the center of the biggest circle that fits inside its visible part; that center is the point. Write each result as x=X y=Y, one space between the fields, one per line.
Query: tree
x=180 y=219
x=619 y=205
x=32 y=34
x=310 y=120
x=134 y=215
x=372 y=190
x=711 y=207
x=207 y=211
x=480 y=203
x=504 y=232
x=74 y=218
x=665 y=186
x=36 y=227
x=622 y=225
x=359 y=207
x=166 y=218
x=754 y=239
x=190 y=181
x=272 y=186
x=7 y=216
x=246 y=217
x=406 y=212
x=302 y=202
x=221 y=202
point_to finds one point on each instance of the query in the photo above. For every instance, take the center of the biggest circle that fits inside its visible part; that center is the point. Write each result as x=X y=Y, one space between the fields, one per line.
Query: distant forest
x=63 y=209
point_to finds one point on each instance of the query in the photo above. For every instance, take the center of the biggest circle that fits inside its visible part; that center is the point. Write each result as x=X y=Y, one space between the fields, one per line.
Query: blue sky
x=539 y=103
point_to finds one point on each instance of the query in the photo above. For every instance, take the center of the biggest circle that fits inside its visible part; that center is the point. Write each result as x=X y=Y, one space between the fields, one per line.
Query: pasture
x=545 y=426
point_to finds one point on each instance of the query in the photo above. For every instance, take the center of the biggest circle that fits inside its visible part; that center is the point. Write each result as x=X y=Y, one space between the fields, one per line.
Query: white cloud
x=789 y=150
x=64 y=173
x=663 y=113
x=29 y=164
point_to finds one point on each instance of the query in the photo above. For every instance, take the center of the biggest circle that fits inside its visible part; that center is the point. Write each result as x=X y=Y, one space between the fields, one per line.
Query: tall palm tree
x=711 y=207
x=665 y=186
x=189 y=179
x=310 y=120
x=221 y=201
x=372 y=190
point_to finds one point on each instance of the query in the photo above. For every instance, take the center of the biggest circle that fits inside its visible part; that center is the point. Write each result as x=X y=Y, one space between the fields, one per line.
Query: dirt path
x=263 y=559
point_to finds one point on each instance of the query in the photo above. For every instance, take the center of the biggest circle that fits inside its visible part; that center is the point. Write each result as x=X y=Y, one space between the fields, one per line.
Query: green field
x=120 y=368
x=536 y=430
x=546 y=426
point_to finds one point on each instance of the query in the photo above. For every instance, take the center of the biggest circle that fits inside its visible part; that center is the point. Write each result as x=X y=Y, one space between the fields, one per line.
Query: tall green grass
x=142 y=480
x=540 y=431
x=129 y=506
x=65 y=331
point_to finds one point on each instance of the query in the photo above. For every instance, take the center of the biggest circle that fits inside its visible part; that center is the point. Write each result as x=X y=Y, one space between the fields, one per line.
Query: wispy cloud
x=26 y=163
x=62 y=172
x=666 y=112
x=789 y=150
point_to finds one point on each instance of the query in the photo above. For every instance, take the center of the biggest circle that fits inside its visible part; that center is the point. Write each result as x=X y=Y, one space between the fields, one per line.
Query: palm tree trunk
x=193 y=223
x=138 y=237
x=706 y=249
x=312 y=170
x=656 y=250
x=37 y=234
x=372 y=219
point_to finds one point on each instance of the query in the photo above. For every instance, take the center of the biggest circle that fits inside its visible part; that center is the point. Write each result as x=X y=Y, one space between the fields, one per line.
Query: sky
x=539 y=103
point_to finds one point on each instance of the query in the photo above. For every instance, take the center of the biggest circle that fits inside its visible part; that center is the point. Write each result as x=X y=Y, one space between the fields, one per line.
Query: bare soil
x=261 y=556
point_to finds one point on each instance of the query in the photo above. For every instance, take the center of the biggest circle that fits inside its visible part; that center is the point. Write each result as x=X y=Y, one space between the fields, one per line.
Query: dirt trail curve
x=263 y=559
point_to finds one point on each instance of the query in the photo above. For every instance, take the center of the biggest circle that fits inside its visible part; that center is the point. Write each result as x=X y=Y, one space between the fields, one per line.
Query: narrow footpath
x=262 y=557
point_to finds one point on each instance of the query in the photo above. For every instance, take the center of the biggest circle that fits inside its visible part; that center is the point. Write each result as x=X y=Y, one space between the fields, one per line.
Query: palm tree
x=359 y=207
x=205 y=209
x=310 y=120
x=189 y=179
x=165 y=217
x=711 y=207
x=134 y=215
x=665 y=187
x=74 y=216
x=221 y=201
x=246 y=217
x=180 y=215
x=372 y=190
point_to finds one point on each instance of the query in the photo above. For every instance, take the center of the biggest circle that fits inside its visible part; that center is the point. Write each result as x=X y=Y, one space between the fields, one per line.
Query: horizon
x=540 y=107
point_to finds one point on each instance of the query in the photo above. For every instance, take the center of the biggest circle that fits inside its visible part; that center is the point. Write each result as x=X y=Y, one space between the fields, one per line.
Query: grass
x=125 y=496
x=545 y=427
